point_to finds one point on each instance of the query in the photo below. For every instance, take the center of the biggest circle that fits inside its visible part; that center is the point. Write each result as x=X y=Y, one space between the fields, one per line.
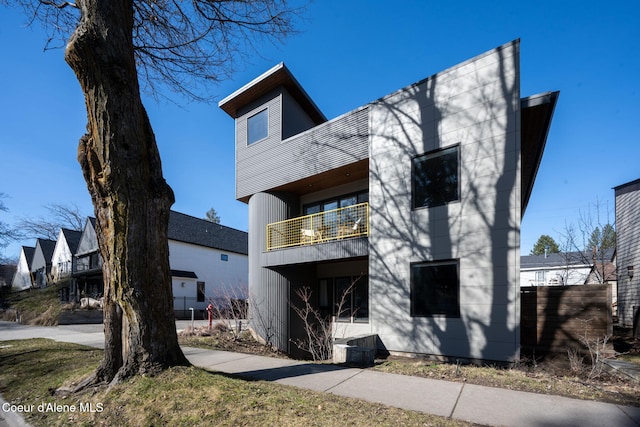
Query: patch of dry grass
x=39 y=306
x=551 y=377
x=31 y=369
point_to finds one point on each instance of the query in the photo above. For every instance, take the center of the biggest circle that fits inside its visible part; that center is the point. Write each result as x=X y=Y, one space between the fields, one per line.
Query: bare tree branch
x=183 y=46
x=48 y=227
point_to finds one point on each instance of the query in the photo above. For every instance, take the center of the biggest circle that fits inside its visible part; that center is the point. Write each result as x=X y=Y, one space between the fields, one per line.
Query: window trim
x=266 y=111
x=433 y=154
x=412 y=285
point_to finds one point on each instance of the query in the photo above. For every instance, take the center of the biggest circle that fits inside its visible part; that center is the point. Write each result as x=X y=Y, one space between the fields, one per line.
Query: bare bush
x=229 y=308
x=319 y=337
x=594 y=348
x=320 y=330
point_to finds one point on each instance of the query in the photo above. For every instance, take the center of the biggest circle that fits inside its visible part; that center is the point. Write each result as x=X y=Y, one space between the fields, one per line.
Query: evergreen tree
x=545 y=243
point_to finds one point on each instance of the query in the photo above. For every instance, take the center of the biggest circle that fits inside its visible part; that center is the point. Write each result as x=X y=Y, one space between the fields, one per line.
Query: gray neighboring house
x=7 y=272
x=402 y=216
x=628 y=253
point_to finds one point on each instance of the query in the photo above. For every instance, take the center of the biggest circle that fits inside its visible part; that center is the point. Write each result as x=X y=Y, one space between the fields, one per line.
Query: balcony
x=337 y=224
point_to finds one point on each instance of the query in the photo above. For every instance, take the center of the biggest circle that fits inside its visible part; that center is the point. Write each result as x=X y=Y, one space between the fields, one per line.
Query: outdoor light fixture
x=630 y=271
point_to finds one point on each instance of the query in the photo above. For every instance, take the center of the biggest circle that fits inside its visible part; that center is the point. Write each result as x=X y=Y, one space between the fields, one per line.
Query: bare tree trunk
x=121 y=165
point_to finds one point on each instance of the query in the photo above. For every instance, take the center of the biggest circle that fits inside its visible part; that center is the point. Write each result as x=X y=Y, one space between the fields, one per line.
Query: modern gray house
x=628 y=253
x=402 y=216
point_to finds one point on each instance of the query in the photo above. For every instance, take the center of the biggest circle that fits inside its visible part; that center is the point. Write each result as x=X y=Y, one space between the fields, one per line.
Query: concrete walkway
x=478 y=404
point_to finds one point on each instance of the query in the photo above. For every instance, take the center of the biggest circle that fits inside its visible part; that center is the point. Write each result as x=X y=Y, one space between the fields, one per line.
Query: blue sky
x=348 y=54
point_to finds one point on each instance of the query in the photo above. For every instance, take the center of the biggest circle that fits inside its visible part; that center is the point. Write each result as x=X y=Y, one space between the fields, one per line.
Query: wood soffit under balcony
x=329 y=179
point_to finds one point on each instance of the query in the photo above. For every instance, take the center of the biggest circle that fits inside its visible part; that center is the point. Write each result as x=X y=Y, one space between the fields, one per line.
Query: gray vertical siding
x=628 y=251
x=268 y=289
x=272 y=162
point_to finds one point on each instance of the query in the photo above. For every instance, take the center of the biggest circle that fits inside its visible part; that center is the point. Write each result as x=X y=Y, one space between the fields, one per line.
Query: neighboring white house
x=571 y=268
x=62 y=259
x=207 y=260
x=41 y=264
x=22 y=278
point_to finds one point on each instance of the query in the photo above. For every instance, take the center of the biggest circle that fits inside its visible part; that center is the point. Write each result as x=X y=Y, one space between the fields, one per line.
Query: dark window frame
x=356 y=309
x=262 y=135
x=422 y=302
x=428 y=156
x=361 y=197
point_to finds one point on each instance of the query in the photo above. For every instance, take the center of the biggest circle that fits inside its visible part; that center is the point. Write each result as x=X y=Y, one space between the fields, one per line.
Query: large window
x=337 y=202
x=258 y=126
x=436 y=178
x=350 y=297
x=331 y=220
x=435 y=289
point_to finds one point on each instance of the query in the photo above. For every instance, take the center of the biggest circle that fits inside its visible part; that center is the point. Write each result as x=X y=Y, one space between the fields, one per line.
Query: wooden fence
x=554 y=318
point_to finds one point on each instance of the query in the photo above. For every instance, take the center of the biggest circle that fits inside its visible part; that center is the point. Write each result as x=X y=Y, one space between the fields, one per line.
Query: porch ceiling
x=332 y=178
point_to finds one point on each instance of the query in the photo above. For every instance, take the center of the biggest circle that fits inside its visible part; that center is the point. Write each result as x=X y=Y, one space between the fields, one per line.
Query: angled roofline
x=539 y=111
x=47 y=246
x=29 y=252
x=627 y=187
x=266 y=82
x=72 y=237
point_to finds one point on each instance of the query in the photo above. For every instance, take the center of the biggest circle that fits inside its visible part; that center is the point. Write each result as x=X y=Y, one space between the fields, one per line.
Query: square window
x=436 y=178
x=224 y=257
x=435 y=289
x=258 y=126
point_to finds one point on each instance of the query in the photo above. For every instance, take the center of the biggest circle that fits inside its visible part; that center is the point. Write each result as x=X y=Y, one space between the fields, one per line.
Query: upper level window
x=224 y=257
x=258 y=126
x=436 y=178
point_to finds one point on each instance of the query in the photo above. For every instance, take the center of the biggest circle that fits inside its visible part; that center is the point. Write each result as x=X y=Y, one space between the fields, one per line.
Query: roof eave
x=536 y=113
x=266 y=82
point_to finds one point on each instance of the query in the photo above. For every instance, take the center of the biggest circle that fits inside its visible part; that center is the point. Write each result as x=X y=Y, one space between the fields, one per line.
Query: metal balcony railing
x=336 y=224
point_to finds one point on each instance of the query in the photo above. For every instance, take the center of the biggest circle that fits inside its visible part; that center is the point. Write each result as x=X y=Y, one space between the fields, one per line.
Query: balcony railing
x=336 y=224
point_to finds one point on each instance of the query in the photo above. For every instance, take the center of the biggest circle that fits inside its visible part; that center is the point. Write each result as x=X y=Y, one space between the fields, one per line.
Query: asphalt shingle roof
x=562 y=259
x=189 y=229
x=47 y=247
x=73 y=238
x=29 y=251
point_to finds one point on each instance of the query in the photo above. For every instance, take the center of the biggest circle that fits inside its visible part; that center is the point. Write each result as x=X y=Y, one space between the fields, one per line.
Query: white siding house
x=22 y=278
x=62 y=259
x=555 y=269
x=206 y=260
